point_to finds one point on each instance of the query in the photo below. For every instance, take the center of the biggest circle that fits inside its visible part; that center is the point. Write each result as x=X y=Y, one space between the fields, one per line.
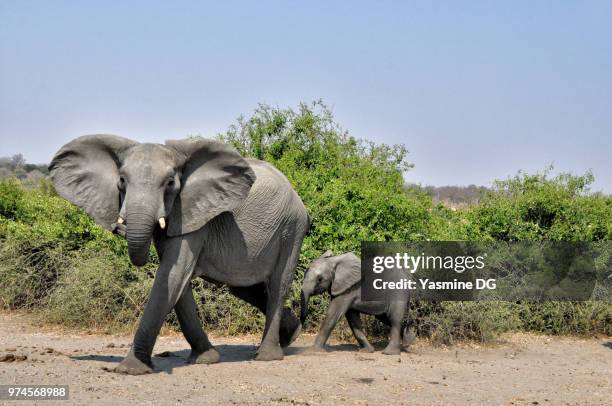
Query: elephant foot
x=368 y=349
x=210 y=356
x=290 y=328
x=392 y=349
x=269 y=353
x=133 y=366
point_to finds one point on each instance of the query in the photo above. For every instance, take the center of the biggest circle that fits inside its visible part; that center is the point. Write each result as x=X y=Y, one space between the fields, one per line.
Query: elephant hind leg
x=255 y=295
x=202 y=351
x=354 y=321
x=395 y=315
x=408 y=336
x=277 y=288
x=290 y=327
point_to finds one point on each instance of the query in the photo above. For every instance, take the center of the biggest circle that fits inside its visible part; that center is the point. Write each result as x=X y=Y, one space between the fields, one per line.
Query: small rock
x=110 y=345
x=7 y=357
x=10 y=357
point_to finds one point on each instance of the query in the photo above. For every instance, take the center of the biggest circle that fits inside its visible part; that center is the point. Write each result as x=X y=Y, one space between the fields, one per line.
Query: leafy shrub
x=585 y=318
x=97 y=290
x=54 y=258
x=354 y=190
x=538 y=207
x=477 y=321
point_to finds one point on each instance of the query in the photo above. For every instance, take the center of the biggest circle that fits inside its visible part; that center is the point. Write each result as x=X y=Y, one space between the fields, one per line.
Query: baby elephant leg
x=354 y=321
x=337 y=308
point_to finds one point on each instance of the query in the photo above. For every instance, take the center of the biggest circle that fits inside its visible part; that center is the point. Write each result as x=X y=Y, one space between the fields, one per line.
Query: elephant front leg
x=337 y=308
x=202 y=351
x=173 y=274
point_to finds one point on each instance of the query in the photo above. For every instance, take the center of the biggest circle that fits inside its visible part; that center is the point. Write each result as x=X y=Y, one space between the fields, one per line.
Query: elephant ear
x=86 y=171
x=215 y=179
x=327 y=254
x=347 y=273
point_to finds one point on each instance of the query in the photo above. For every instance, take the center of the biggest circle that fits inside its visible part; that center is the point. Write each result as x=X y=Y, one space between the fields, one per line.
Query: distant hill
x=454 y=196
x=17 y=167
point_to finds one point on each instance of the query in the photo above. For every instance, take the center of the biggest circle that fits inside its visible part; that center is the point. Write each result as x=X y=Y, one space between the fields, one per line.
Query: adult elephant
x=210 y=212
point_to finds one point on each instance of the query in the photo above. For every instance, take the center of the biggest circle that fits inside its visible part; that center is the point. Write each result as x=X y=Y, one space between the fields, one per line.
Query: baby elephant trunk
x=304 y=297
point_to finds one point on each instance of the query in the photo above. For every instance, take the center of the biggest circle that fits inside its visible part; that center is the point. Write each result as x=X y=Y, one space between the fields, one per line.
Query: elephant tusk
x=162 y=223
x=119 y=220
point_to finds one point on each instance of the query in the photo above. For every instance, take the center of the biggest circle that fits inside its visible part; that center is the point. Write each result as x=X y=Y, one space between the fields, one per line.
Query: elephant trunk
x=139 y=231
x=304 y=297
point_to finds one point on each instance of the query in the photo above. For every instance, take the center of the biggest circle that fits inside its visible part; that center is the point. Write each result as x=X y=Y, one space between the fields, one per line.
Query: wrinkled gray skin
x=340 y=275
x=227 y=219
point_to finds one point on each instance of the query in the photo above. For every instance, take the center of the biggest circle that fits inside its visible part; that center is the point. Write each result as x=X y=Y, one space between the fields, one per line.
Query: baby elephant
x=340 y=275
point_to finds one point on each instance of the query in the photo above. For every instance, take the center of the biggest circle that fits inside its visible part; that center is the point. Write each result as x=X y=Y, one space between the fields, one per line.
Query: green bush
x=354 y=190
x=584 y=319
x=97 y=290
x=477 y=321
x=56 y=261
x=538 y=207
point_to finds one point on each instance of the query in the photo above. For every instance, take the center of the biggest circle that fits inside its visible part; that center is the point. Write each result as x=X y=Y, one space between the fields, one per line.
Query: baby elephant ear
x=327 y=254
x=347 y=274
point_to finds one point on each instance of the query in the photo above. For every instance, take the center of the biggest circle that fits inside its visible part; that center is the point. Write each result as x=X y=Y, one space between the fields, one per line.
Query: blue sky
x=475 y=90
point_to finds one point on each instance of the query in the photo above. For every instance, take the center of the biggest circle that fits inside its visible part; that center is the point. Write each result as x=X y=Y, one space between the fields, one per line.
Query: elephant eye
x=121 y=183
x=170 y=183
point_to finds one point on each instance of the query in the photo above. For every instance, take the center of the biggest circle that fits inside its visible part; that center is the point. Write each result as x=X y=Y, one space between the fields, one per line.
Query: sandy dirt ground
x=521 y=370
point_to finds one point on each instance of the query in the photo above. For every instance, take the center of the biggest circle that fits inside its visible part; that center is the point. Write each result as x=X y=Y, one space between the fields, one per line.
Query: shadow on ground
x=168 y=360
